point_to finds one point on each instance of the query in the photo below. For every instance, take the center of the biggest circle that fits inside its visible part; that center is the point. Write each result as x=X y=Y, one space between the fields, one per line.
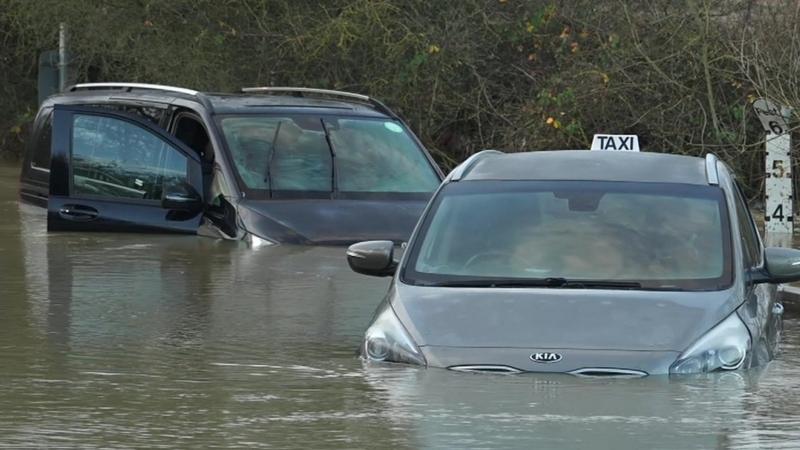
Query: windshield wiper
x=332 y=149
x=552 y=282
x=268 y=170
x=499 y=282
x=600 y=284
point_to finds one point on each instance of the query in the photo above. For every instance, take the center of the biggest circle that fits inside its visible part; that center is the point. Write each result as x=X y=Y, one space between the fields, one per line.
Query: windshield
x=648 y=235
x=330 y=156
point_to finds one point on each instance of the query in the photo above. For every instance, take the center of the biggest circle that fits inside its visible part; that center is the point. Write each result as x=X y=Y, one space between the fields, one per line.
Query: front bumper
x=578 y=361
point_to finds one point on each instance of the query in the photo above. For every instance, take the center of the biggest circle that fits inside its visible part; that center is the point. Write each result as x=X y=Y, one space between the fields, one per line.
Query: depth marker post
x=778 y=209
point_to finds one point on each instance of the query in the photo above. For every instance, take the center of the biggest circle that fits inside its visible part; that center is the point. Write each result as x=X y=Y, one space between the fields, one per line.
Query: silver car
x=585 y=262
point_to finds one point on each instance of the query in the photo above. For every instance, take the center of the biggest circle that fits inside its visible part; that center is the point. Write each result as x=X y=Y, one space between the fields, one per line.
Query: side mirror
x=375 y=258
x=781 y=265
x=183 y=198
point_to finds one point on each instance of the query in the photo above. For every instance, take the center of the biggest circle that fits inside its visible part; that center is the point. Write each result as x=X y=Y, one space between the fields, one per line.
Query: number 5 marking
x=778 y=170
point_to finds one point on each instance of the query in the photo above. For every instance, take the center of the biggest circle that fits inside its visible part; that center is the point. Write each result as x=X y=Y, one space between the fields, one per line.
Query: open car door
x=111 y=171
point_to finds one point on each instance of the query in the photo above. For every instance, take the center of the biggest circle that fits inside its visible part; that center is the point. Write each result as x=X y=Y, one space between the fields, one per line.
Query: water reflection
x=553 y=411
x=111 y=340
x=442 y=409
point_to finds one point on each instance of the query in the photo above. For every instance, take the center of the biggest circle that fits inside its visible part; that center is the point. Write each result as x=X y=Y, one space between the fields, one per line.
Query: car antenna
x=268 y=177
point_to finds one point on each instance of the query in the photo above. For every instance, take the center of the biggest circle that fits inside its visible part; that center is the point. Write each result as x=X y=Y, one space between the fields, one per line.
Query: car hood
x=331 y=222
x=559 y=318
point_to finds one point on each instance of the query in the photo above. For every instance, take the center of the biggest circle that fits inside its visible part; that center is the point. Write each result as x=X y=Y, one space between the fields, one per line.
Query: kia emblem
x=546 y=357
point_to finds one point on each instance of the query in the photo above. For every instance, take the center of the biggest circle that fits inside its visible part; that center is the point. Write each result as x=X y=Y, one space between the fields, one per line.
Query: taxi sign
x=616 y=142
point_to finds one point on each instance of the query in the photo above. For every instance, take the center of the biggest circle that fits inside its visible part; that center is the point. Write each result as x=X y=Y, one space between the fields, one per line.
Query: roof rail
x=465 y=166
x=323 y=92
x=711 y=169
x=302 y=90
x=131 y=86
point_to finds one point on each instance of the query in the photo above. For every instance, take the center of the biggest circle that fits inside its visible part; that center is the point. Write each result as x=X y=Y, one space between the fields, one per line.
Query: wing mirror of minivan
x=374 y=258
x=183 y=198
x=781 y=265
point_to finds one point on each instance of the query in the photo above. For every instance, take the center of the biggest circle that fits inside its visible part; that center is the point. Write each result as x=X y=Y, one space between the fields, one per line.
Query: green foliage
x=467 y=74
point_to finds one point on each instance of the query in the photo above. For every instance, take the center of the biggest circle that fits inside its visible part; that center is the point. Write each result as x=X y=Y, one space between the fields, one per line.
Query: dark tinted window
x=749 y=234
x=41 y=150
x=193 y=134
x=115 y=158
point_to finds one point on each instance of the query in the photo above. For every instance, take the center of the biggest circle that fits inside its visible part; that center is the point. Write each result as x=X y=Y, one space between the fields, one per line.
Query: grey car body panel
x=612 y=329
x=308 y=221
x=559 y=318
x=649 y=362
x=756 y=300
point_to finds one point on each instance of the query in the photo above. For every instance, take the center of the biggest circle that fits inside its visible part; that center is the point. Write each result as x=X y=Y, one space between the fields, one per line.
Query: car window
x=660 y=235
x=41 y=150
x=749 y=235
x=116 y=158
x=280 y=153
x=378 y=156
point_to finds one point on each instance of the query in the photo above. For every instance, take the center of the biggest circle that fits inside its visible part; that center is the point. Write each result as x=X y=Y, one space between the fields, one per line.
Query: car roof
x=266 y=103
x=586 y=165
x=222 y=103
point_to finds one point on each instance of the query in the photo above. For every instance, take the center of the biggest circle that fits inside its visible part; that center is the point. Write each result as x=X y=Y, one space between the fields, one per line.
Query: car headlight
x=387 y=340
x=725 y=347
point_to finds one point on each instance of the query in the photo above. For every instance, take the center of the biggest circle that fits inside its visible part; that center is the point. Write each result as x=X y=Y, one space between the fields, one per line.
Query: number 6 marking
x=775 y=127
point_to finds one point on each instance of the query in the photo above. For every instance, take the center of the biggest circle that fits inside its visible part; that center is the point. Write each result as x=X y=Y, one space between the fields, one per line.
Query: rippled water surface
x=110 y=340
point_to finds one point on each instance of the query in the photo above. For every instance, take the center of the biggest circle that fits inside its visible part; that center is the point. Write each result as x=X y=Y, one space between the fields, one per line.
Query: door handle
x=78 y=213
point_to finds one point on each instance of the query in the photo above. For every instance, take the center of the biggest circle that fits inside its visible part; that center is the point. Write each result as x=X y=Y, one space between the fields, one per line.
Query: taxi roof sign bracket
x=711 y=169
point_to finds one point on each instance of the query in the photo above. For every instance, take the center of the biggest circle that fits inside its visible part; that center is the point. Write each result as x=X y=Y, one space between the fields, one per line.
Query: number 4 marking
x=778 y=213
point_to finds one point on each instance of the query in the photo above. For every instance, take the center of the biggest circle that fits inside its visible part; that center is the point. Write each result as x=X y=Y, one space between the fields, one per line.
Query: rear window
x=326 y=157
x=664 y=236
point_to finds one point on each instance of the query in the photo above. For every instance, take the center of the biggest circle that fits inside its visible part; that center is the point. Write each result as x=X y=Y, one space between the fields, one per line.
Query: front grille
x=484 y=368
x=608 y=372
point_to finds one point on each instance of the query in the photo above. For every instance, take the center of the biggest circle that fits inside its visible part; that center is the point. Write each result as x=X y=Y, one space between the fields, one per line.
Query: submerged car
x=584 y=262
x=272 y=165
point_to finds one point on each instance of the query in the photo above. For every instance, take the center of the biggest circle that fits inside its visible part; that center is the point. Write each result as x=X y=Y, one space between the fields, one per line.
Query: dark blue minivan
x=269 y=165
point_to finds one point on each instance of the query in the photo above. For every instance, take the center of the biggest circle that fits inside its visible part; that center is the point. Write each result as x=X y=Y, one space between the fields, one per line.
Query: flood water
x=111 y=340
